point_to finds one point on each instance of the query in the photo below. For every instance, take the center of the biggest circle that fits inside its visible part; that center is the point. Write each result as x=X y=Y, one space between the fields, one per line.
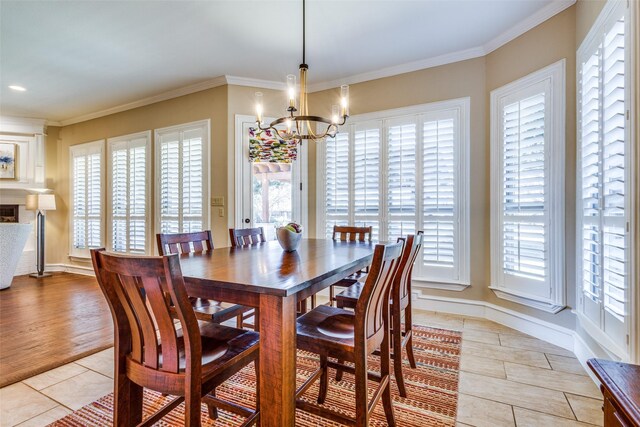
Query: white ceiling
x=81 y=57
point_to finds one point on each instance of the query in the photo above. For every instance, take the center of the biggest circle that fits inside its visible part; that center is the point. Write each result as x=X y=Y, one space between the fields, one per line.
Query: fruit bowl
x=289 y=236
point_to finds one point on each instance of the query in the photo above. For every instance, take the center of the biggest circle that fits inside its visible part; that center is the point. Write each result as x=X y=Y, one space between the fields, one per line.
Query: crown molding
x=175 y=93
x=532 y=21
x=435 y=61
x=517 y=30
x=263 y=84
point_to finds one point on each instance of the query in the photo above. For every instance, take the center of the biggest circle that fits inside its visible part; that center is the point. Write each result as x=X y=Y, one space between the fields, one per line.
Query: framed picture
x=8 y=152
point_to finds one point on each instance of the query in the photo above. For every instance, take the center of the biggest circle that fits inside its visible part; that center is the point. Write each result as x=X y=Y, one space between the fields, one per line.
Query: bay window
x=401 y=171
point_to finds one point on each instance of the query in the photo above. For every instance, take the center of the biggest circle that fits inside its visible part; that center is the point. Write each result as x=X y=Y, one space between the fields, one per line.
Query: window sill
x=512 y=296
x=447 y=286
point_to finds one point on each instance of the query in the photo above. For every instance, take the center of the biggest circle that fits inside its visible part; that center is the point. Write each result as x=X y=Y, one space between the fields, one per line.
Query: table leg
x=277 y=360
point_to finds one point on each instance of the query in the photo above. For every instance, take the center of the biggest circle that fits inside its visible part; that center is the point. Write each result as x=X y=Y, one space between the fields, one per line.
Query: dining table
x=271 y=280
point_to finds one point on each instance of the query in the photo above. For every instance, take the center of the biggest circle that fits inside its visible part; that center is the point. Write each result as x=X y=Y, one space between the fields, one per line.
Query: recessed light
x=17 y=88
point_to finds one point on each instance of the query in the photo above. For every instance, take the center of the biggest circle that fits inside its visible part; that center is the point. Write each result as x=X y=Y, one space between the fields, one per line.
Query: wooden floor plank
x=35 y=337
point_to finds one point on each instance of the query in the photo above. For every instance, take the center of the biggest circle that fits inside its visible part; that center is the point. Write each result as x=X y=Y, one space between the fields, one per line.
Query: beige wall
x=586 y=13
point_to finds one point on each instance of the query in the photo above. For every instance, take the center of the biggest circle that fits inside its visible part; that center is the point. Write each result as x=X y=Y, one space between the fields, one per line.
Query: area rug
x=432 y=391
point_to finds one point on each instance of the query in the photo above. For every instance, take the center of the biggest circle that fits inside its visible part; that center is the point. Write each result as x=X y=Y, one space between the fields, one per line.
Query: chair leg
x=362 y=404
x=192 y=406
x=409 y=330
x=324 y=380
x=314 y=301
x=256 y=365
x=385 y=370
x=397 y=354
x=213 y=411
x=331 y=295
x=239 y=321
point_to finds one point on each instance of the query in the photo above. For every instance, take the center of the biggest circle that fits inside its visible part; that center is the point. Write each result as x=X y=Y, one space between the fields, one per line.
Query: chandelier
x=299 y=125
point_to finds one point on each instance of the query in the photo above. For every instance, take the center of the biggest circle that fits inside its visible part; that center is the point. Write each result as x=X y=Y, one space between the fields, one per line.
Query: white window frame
x=552 y=78
x=613 y=10
x=205 y=125
x=111 y=143
x=78 y=151
x=462 y=109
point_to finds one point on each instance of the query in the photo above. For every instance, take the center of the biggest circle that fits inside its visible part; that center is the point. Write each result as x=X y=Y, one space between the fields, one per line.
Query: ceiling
x=81 y=57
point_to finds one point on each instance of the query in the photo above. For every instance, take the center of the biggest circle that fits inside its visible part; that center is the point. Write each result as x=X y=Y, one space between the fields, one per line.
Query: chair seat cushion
x=326 y=330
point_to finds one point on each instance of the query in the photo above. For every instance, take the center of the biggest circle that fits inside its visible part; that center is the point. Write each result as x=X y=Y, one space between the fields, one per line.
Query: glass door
x=269 y=176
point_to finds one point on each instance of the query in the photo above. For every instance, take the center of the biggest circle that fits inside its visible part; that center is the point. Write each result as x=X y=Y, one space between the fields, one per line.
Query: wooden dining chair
x=246 y=236
x=350 y=336
x=205 y=309
x=349 y=234
x=402 y=338
x=189 y=362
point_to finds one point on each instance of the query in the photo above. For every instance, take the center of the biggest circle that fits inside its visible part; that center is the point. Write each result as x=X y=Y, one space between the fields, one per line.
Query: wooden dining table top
x=265 y=268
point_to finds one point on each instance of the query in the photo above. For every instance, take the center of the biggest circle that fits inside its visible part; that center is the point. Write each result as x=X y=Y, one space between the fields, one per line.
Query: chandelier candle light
x=304 y=126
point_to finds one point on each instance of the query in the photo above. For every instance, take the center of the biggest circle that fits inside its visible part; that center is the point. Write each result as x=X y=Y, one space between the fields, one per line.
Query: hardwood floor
x=48 y=322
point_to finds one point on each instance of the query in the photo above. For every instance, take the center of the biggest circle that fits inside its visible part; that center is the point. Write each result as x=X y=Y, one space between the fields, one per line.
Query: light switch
x=217 y=201
x=221 y=212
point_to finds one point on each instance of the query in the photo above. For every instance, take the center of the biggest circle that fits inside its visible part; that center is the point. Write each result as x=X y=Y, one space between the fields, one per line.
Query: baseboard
x=67 y=268
x=562 y=337
x=583 y=352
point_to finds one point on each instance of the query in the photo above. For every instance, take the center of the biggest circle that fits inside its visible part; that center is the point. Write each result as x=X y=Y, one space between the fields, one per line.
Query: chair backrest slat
x=402 y=281
x=122 y=280
x=246 y=236
x=374 y=299
x=348 y=233
x=185 y=243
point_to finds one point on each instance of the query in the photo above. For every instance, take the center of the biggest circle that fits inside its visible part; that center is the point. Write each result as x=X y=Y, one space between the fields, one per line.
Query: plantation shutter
x=129 y=193
x=524 y=194
x=182 y=179
x=439 y=196
x=401 y=177
x=603 y=165
x=366 y=176
x=86 y=190
x=337 y=182
x=613 y=172
x=590 y=173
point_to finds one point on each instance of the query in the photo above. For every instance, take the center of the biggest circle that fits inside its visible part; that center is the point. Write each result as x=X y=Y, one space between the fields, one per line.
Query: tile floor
x=507 y=378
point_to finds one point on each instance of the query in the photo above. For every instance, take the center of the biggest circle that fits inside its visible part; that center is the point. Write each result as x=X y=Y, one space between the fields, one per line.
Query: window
x=527 y=183
x=604 y=167
x=128 y=227
x=401 y=171
x=182 y=178
x=86 y=163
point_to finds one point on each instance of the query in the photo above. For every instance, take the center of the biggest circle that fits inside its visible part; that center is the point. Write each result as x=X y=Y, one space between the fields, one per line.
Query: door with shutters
x=269 y=188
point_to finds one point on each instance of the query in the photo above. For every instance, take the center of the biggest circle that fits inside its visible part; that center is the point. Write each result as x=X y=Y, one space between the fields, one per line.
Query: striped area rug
x=432 y=391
